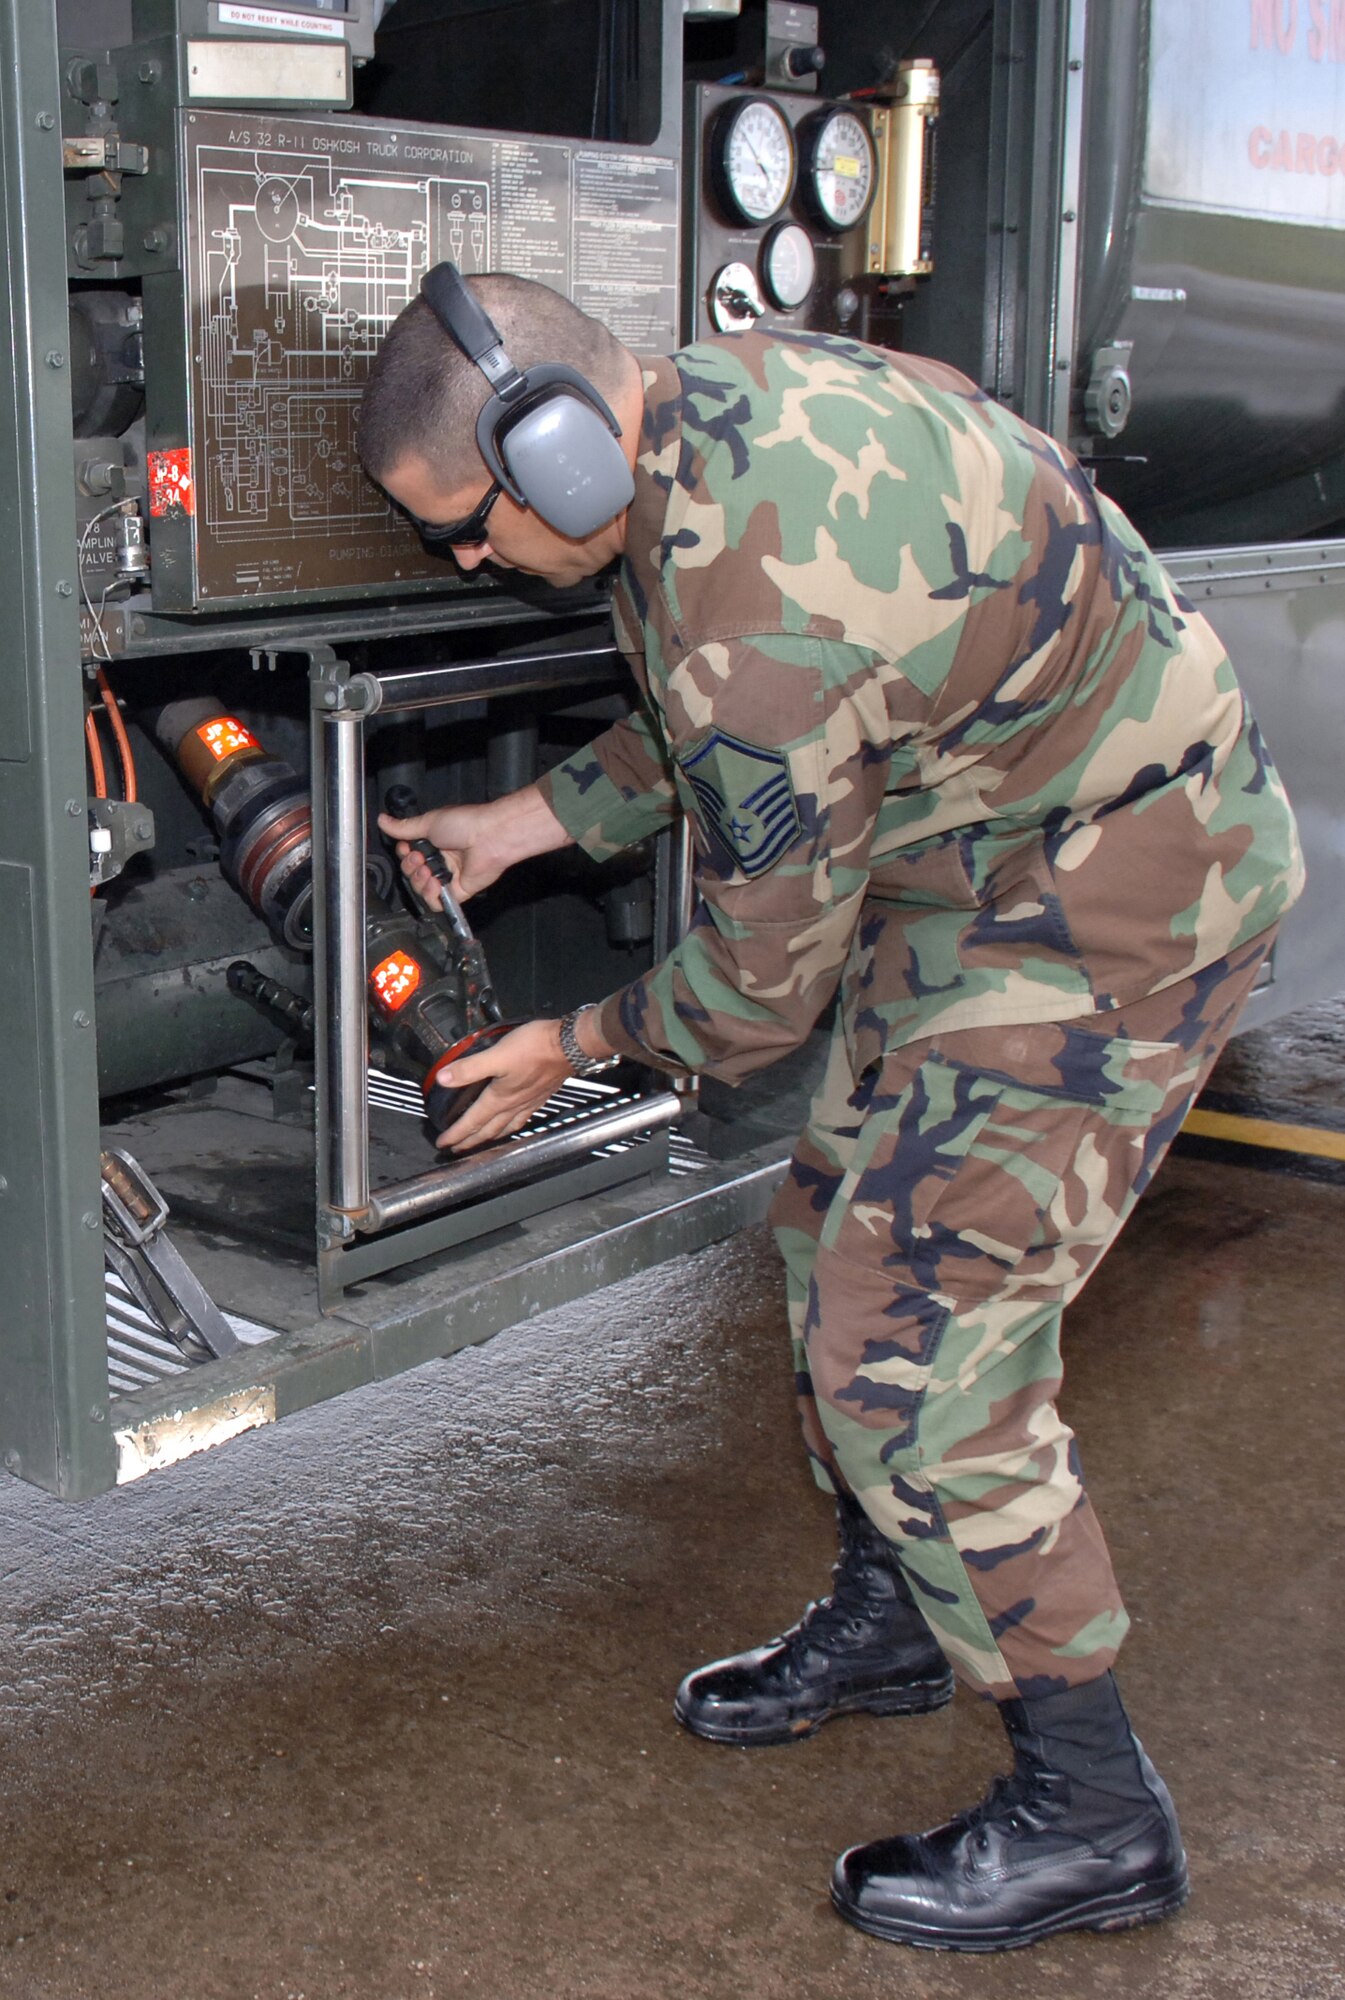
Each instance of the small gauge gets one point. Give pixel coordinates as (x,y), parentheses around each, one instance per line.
(752,159)
(735,299)
(839,169)
(788,266)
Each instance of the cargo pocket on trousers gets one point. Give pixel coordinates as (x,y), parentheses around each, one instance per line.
(1050,1172)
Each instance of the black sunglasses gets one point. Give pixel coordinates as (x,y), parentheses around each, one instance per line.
(468,533)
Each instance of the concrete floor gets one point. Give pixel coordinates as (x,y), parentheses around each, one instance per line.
(375,1705)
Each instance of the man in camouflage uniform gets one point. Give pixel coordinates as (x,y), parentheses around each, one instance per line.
(948,740)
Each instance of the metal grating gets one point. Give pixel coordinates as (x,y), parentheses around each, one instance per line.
(139,1352)
(574,1101)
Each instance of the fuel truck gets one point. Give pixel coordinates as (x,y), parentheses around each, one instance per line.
(219,1199)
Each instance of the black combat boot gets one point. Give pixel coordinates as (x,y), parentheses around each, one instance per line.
(1081,1836)
(865,1647)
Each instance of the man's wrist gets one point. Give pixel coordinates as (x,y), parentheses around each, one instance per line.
(524,825)
(583,1043)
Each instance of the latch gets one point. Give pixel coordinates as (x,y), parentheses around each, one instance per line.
(151,1267)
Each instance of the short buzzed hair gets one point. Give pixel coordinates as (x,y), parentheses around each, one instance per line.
(423,395)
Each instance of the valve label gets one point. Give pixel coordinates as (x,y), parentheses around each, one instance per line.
(171,487)
(394,981)
(222,735)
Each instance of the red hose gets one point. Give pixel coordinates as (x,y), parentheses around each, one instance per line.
(96,763)
(124,753)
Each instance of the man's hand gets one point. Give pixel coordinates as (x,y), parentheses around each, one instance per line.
(477,842)
(524,1067)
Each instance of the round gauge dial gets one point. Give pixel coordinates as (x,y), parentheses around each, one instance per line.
(839,170)
(788,266)
(735,299)
(752,159)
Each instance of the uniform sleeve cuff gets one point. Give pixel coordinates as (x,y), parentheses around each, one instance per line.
(594,811)
(617,1037)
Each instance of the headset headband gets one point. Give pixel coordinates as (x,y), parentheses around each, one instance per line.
(471,328)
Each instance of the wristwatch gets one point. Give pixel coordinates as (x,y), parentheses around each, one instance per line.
(580,1062)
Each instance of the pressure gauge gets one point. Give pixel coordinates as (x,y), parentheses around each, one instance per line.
(839,169)
(752,159)
(788,266)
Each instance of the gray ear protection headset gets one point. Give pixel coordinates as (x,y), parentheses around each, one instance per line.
(545,433)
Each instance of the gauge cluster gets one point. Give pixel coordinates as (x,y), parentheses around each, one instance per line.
(783,187)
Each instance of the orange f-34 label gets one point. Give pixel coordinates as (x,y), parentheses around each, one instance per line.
(171,488)
(394,981)
(222,735)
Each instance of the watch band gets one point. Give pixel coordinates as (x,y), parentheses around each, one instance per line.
(580,1062)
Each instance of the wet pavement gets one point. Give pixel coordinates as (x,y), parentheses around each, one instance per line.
(374,1705)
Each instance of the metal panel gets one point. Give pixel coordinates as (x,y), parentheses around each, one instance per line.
(281,21)
(1213,207)
(303,239)
(267,73)
(466,1299)
(1248,117)
(53,1417)
(712,243)
(1280,611)
(1001,305)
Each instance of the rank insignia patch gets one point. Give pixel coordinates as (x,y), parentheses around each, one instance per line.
(746,800)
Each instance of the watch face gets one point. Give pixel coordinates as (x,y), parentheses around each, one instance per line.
(752,159)
(839,169)
(788,266)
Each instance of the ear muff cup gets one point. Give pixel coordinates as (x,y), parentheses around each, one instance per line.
(545,433)
(558,455)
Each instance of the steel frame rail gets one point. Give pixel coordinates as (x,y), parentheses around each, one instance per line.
(347,1208)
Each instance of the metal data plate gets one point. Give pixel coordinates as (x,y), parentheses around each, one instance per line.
(303,240)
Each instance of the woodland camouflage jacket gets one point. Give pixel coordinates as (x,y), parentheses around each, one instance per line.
(942,726)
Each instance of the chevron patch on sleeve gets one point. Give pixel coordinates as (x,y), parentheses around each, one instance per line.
(746,800)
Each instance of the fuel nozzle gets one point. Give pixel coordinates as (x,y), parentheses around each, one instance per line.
(260,807)
(400,802)
(429,992)
(395,983)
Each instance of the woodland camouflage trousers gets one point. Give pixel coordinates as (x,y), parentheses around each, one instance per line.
(937,1215)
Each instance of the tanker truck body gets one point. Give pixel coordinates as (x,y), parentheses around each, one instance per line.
(218,1195)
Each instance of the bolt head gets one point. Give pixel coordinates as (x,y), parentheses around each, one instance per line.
(46,121)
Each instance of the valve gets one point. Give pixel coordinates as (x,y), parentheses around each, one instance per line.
(1107,399)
